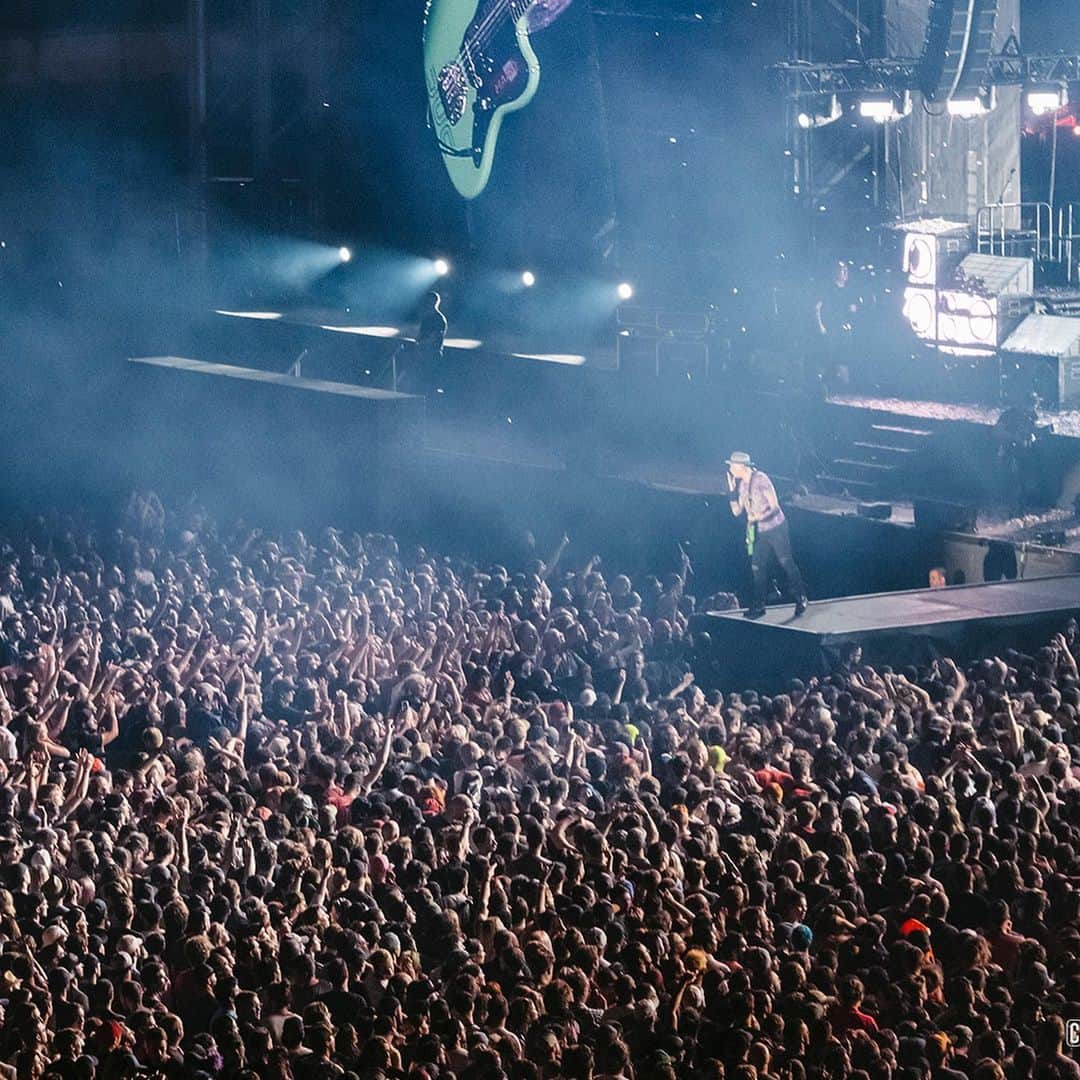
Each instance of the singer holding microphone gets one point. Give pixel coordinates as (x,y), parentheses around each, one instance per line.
(752,494)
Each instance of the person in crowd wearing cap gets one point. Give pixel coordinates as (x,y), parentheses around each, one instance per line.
(768,537)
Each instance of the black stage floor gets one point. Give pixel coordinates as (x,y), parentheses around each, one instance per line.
(897,628)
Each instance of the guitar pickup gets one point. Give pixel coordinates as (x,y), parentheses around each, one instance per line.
(453,92)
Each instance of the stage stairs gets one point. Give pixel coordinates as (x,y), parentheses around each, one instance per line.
(878,461)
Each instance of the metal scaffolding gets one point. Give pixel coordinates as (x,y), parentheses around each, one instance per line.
(249,126)
(821,160)
(898,74)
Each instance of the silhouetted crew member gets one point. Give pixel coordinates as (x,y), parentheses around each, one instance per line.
(432,333)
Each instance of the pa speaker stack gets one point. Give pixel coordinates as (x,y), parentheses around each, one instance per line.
(985,301)
(959,44)
(933,249)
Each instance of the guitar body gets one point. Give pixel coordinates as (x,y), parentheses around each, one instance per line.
(479,67)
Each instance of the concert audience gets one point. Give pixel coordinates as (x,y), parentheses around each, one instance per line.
(297,807)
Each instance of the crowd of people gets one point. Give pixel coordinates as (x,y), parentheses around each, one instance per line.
(297,806)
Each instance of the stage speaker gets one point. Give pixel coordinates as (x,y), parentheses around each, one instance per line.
(933,250)
(876,511)
(984,301)
(932,73)
(958,46)
(937,515)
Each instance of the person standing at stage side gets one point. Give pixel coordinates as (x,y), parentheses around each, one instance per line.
(767,535)
(417,361)
(432,333)
(836,315)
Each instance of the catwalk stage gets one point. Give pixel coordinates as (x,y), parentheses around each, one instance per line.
(964,622)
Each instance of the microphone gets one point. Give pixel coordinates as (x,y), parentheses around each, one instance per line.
(1005,186)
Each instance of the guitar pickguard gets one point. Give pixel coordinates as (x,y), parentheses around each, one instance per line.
(480,67)
(499,72)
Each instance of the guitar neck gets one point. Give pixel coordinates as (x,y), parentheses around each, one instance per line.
(515,9)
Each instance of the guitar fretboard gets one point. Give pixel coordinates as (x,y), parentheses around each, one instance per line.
(490,21)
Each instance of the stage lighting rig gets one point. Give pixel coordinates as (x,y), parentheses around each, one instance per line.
(884,106)
(821,117)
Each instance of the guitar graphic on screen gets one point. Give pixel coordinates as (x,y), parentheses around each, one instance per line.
(479,66)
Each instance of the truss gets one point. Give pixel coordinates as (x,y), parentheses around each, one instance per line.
(898,74)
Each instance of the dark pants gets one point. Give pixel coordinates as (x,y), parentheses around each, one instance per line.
(774,544)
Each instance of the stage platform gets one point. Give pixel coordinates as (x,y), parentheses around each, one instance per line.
(902,627)
(339,341)
(1062,422)
(271,447)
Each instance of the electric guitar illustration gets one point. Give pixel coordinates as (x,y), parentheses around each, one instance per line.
(479,66)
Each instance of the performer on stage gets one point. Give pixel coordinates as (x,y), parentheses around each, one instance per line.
(767,533)
(418,359)
(432,332)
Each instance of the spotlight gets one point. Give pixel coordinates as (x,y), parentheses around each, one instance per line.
(820,117)
(528,279)
(442,267)
(625,290)
(967,106)
(882,106)
(1043,98)
(344,254)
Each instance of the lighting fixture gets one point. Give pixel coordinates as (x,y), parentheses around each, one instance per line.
(968,106)
(830,114)
(882,106)
(1043,98)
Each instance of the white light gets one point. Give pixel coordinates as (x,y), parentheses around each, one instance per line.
(824,117)
(344,254)
(965,108)
(267,315)
(1047,99)
(528,279)
(462,343)
(553,358)
(365,331)
(626,291)
(876,110)
(886,106)
(441,267)
(972,105)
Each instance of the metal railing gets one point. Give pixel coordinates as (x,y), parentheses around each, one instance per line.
(1068,231)
(1022,230)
